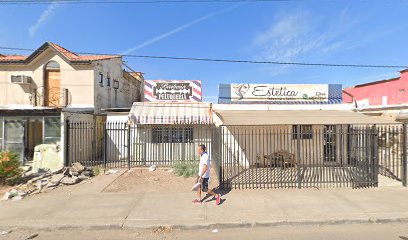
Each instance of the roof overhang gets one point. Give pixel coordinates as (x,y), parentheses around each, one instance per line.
(170,113)
(296,117)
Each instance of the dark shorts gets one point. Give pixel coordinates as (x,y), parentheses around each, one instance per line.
(204,185)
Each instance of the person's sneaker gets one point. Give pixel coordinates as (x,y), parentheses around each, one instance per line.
(218,201)
(196,201)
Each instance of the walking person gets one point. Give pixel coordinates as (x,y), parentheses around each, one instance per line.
(204,169)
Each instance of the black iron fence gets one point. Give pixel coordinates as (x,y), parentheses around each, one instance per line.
(116,144)
(391,150)
(299,156)
(250,156)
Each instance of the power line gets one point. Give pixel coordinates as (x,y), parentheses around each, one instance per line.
(229,60)
(34,2)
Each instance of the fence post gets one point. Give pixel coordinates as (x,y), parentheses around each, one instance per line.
(66,140)
(298,155)
(376,163)
(128,145)
(105,133)
(404,154)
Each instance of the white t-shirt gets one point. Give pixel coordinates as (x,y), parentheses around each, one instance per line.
(204,159)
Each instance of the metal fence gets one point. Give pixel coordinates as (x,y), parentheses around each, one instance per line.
(299,156)
(250,156)
(116,144)
(392,147)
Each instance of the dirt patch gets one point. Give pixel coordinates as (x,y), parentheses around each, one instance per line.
(3,190)
(161,180)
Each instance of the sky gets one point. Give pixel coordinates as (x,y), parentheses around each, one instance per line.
(315,31)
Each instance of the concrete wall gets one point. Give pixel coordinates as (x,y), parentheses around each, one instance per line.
(78,80)
(118,89)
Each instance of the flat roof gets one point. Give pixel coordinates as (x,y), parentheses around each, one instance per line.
(294,117)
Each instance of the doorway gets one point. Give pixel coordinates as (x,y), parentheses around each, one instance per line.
(52,82)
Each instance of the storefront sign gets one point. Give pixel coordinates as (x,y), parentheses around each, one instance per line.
(172,91)
(280,93)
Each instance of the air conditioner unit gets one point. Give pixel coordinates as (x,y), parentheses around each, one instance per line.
(21,79)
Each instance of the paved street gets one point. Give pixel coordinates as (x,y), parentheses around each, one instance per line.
(332,232)
(86,206)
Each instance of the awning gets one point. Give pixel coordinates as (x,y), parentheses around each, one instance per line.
(170,113)
(293,117)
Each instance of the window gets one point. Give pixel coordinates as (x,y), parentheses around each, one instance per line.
(101,79)
(108,82)
(306,132)
(172,135)
(52,130)
(52,65)
(115,84)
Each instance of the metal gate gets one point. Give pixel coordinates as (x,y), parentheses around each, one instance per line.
(116,144)
(298,156)
(280,156)
(392,151)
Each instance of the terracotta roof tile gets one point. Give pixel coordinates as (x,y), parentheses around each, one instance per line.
(75,57)
(71,56)
(8,58)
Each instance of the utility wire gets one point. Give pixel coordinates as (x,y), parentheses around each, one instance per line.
(228,60)
(33,2)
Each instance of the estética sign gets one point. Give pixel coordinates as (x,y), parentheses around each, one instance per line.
(172,91)
(279,92)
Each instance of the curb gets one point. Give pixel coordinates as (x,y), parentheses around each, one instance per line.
(272,224)
(214,225)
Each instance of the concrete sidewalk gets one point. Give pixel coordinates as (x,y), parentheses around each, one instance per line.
(87,207)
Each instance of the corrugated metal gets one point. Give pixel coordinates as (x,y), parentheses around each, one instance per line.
(171,113)
(295,117)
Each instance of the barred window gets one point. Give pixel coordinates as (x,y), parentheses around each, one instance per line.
(172,135)
(306,132)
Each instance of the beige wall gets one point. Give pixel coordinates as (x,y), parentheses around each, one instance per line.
(82,82)
(110,97)
(77,79)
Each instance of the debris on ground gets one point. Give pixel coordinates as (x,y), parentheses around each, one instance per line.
(42,181)
(215,230)
(32,236)
(4,232)
(152,168)
(111,171)
(170,170)
(163,229)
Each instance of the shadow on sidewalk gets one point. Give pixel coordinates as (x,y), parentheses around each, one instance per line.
(219,190)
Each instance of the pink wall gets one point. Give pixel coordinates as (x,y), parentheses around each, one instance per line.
(395,90)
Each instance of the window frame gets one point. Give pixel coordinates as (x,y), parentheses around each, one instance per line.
(101,79)
(170,134)
(45,137)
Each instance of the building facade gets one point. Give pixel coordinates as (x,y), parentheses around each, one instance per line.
(42,90)
(387,98)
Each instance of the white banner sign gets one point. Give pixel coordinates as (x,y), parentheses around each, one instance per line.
(279,92)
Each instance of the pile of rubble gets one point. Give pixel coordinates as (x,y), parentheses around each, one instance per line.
(47,180)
